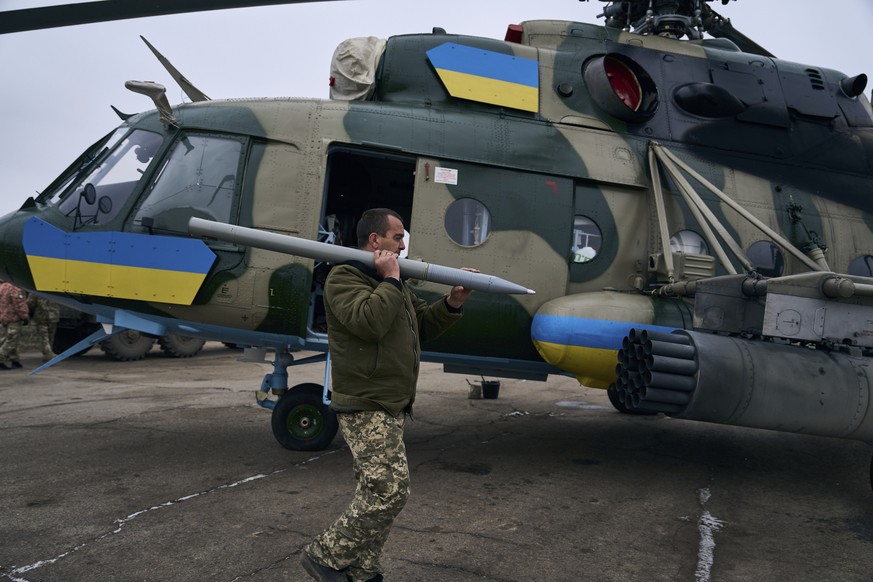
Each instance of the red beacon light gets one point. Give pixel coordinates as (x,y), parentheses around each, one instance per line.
(624,83)
(621,87)
(514,33)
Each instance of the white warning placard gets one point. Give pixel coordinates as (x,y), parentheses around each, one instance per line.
(445,176)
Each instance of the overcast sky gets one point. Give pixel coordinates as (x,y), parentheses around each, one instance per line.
(58,84)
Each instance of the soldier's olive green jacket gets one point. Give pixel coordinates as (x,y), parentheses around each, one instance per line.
(375,329)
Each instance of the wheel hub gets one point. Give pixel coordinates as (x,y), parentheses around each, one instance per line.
(304,422)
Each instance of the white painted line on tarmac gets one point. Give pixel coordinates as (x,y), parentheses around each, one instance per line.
(580,405)
(708,525)
(18,571)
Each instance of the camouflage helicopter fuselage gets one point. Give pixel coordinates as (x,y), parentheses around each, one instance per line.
(783,140)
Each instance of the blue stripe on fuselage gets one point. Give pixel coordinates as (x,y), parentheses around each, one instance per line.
(585,332)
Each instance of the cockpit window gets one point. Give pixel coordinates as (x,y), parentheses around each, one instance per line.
(53,194)
(199,178)
(111,179)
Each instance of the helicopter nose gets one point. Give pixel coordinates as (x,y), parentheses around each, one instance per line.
(13,263)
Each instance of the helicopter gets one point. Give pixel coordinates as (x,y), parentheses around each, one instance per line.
(656,187)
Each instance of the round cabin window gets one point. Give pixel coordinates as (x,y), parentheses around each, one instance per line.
(767,258)
(468,222)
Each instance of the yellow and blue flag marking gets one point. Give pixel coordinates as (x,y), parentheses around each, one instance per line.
(116,264)
(587,348)
(487,76)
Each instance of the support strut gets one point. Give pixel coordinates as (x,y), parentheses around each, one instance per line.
(277,381)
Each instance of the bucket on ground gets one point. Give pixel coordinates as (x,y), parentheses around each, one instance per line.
(483,389)
(490,388)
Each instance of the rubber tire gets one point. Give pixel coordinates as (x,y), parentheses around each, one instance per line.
(127,346)
(871,473)
(180,346)
(302,422)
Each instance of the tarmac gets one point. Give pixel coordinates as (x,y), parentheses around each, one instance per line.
(167,469)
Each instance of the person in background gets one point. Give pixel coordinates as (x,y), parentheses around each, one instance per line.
(13,314)
(45,315)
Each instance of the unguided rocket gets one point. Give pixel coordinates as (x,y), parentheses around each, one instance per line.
(301,247)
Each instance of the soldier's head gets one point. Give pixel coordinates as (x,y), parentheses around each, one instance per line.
(381,229)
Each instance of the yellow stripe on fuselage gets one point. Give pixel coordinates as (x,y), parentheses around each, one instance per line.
(594,367)
(105,280)
(491,91)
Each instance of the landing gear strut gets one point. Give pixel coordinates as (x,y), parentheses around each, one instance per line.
(302,419)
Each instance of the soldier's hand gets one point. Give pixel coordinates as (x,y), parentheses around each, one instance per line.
(386,264)
(459,294)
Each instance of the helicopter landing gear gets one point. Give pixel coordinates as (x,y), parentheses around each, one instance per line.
(301,421)
(127,345)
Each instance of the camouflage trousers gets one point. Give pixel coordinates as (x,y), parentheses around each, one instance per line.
(9,347)
(45,333)
(355,540)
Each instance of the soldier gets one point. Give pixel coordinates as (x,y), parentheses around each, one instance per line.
(375,324)
(45,314)
(13,313)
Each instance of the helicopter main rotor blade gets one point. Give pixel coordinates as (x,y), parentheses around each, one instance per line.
(721,27)
(107,10)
